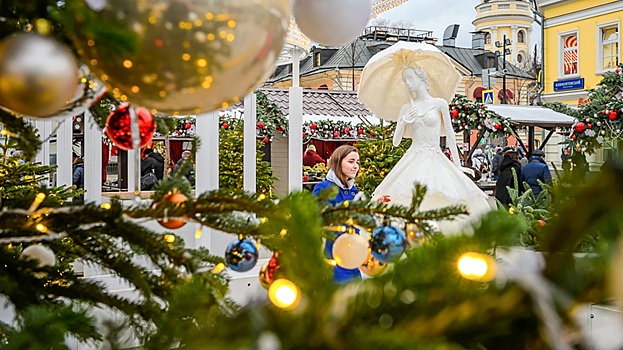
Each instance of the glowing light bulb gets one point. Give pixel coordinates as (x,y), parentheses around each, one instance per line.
(477,267)
(41,228)
(106,206)
(284,294)
(218,268)
(169,238)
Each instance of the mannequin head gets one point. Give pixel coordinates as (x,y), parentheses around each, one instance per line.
(414,77)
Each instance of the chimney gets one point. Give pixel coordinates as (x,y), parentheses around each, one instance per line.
(478,40)
(450,34)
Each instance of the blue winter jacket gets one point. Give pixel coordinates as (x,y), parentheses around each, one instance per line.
(340,274)
(535,170)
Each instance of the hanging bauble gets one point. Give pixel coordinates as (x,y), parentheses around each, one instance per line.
(579,126)
(173,224)
(182,56)
(268,271)
(388,243)
(263,276)
(187,126)
(118,126)
(39,252)
(350,250)
(38,75)
(241,255)
(612,115)
(415,236)
(372,267)
(454,113)
(330,22)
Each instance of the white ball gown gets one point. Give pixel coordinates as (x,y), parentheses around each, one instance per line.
(425,163)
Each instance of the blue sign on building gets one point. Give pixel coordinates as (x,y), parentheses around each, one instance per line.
(569,84)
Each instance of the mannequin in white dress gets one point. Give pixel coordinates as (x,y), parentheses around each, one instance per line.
(425,119)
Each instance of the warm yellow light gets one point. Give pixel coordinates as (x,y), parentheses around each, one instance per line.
(169,238)
(211,36)
(5,132)
(202,62)
(41,228)
(198,234)
(91,42)
(186,57)
(224,105)
(106,206)
(283,232)
(218,268)
(231,37)
(261,197)
(332,262)
(135,89)
(35,204)
(477,267)
(284,294)
(231,23)
(127,64)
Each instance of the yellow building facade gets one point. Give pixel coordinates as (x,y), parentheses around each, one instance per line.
(512,20)
(582,41)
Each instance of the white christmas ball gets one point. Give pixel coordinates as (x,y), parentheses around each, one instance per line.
(38,75)
(42,253)
(350,251)
(331,22)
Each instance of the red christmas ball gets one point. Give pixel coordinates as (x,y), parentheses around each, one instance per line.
(613,115)
(336,135)
(618,70)
(225,125)
(580,126)
(360,131)
(454,113)
(590,126)
(498,126)
(347,130)
(118,127)
(173,198)
(266,139)
(574,137)
(187,126)
(273,265)
(260,125)
(314,126)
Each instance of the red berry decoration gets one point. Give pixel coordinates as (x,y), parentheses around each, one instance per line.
(314,126)
(498,126)
(603,112)
(118,127)
(225,125)
(613,115)
(590,126)
(176,198)
(454,113)
(336,135)
(260,125)
(187,126)
(542,222)
(359,131)
(618,70)
(574,137)
(266,139)
(580,126)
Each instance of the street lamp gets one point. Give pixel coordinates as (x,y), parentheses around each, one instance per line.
(503,53)
(541,22)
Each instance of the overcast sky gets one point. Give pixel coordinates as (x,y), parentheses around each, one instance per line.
(436,15)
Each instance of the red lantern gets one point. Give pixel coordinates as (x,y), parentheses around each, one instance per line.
(176,198)
(260,125)
(613,115)
(454,113)
(580,126)
(118,127)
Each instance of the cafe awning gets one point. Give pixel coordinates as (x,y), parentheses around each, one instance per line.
(533,116)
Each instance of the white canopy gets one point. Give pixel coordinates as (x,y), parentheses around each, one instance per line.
(533,115)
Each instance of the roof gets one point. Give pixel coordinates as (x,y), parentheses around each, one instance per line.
(333,103)
(342,58)
(533,115)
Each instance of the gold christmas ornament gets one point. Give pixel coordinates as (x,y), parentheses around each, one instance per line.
(181,57)
(372,267)
(38,75)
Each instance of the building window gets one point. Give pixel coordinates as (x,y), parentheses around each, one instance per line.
(504,7)
(569,54)
(488,38)
(485,8)
(519,58)
(609,43)
(521,36)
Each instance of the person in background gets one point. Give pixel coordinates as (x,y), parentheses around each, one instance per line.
(152,161)
(510,164)
(536,170)
(312,158)
(190,174)
(496,162)
(343,169)
(78,174)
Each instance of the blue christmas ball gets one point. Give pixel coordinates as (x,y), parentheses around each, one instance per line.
(387,243)
(241,255)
